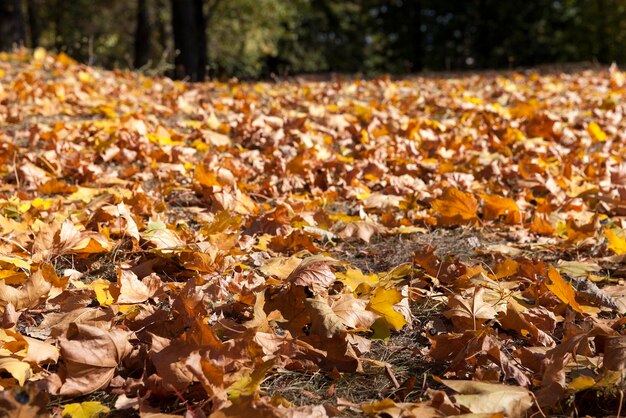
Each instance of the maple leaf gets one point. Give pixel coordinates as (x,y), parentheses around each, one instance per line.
(617,242)
(281,267)
(87,409)
(324,321)
(497,206)
(354,278)
(249,383)
(513,319)
(28,295)
(314,272)
(161,237)
(361,230)
(132,290)
(296,241)
(482,397)
(562,289)
(91,356)
(352,311)
(470,310)
(382,303)
(455,207)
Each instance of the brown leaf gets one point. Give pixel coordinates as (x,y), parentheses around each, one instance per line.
(91,356)
(314,272)
(470,310)
(324,321)
(490,398)
(29,295)
(615,353)
(132,290)
(352,311)
(360,230)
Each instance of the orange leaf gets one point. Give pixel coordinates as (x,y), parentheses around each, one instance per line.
(562,289)
(541,226)
(497,206)
(455,207)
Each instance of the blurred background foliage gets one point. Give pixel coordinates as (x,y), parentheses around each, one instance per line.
(260,38)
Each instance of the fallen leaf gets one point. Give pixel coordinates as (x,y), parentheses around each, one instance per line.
(89,409)
(455,207)
(382,303)
(470,311)
(562,289)
(91,356)
(491,398)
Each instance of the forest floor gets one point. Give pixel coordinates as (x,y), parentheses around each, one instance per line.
(427,246)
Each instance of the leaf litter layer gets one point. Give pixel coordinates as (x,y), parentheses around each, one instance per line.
(418,247)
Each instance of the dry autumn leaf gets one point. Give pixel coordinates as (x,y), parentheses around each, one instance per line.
(562,289)
(382,303)
(501,207)
(91,356)
(470,310)
(455,207)
(490,398)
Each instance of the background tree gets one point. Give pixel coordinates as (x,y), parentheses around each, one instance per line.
(143,34)
(34,23)
(262,38)
(189,25)
(12,25)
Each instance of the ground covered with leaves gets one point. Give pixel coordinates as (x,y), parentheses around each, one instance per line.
(430,246)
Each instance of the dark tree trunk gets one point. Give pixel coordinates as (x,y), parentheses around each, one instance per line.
(34,23)
(143,42)
(12,25)
(415,34)
(189,24)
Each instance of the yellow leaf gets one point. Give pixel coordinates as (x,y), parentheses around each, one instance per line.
(85,77)
(92,245)
(84,194)
(162,140)
(249,384)
(617,243)
(562,289)
(13,277)
(85,410)
(581,383)
(596,132)
(42,204)
(353,278)
(382,303)
(281,267)
(343,217)
(16,261)
(20,370)
(102,288)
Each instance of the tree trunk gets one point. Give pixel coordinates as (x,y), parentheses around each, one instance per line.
(143,43)
(189,24)
(12,25)
(415,34)
(34,23)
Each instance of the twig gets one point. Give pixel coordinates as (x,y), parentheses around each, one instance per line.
(537,403)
